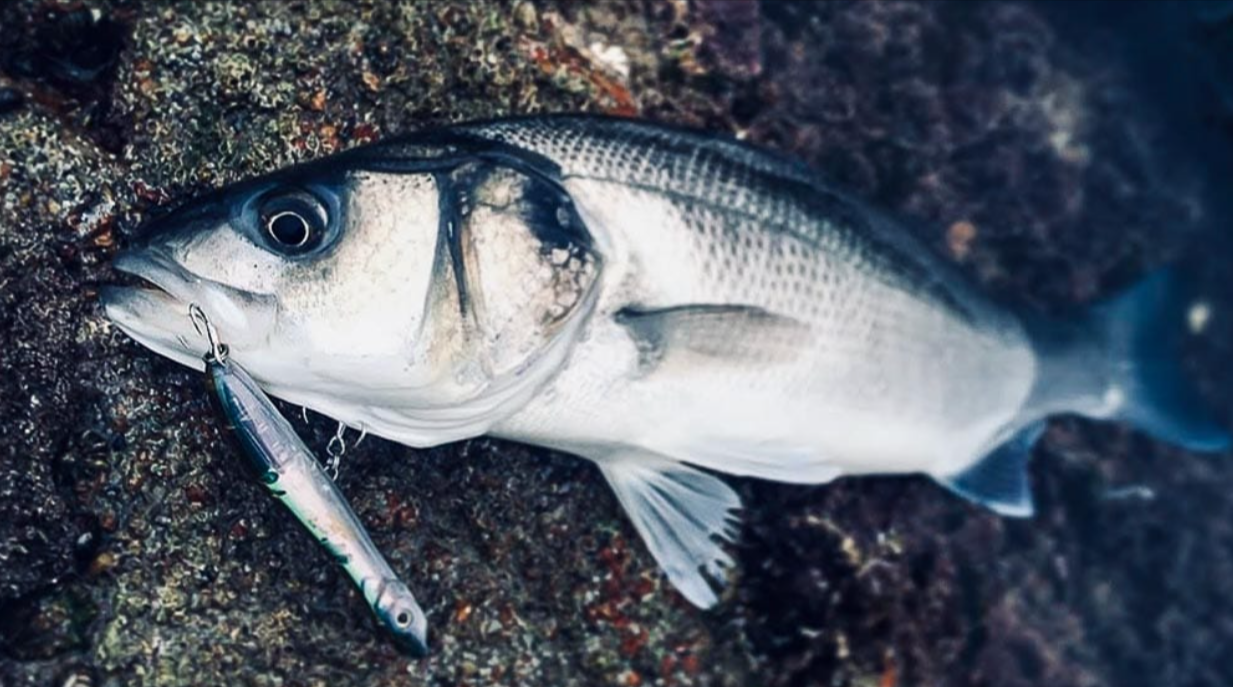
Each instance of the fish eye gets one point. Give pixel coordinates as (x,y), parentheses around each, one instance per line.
(293,222)
(289,228)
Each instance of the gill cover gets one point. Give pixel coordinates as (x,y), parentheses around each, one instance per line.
(521,260)
(513,277)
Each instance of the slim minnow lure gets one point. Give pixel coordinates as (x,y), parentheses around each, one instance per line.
(290,471)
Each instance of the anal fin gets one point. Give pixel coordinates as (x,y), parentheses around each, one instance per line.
(683,514)
(999,481)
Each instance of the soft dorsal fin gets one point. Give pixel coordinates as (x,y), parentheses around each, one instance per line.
(733,333)
(999,481)
(683,514)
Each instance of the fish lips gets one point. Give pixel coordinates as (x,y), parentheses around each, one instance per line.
(157,315)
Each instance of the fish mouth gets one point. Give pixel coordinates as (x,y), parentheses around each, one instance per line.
(154,307)
(158,274)
(155,310)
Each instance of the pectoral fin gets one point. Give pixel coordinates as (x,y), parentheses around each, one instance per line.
(999,481)
(683,514)
(733,333)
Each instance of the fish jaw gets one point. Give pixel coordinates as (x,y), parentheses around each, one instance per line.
(157,316)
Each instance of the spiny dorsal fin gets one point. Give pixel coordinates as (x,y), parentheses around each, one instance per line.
(683,514)
(999,481)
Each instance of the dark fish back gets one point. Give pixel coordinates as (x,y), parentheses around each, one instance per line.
(780,194)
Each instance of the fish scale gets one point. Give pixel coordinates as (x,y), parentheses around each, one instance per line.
(750,270)
(773,191)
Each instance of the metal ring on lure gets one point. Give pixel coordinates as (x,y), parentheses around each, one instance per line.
(291,472)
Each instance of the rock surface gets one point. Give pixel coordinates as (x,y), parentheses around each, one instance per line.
(134,550)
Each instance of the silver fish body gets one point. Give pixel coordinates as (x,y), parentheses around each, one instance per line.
(652,299)
(797,321)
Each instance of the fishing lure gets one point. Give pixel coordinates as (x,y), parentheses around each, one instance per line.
(292,474)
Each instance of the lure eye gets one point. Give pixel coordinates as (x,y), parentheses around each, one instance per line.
(294,222)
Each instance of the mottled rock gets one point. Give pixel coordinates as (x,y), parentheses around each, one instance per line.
(134,550)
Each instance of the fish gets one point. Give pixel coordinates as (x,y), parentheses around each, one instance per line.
(675,306)
(291,472)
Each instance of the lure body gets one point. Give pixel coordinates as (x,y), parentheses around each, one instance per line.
(292,474)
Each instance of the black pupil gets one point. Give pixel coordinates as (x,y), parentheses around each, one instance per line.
(289,229)
(403,619)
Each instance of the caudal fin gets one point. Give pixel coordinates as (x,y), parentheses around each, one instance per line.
(1140,334)
(1120,360)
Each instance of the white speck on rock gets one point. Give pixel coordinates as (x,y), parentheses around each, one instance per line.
(612,58)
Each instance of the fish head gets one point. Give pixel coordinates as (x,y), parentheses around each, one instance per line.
(362,289)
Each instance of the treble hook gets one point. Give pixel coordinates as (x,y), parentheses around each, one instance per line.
(218,350)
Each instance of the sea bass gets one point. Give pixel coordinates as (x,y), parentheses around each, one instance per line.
(665,303)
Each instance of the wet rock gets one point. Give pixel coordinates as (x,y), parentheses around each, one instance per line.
(72,48)
(10,100)
(733,35)
(134,548)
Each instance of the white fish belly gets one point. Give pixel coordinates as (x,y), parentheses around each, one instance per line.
(805,422)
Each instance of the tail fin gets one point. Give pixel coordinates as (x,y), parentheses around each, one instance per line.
(1134,349)
(1119,360)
